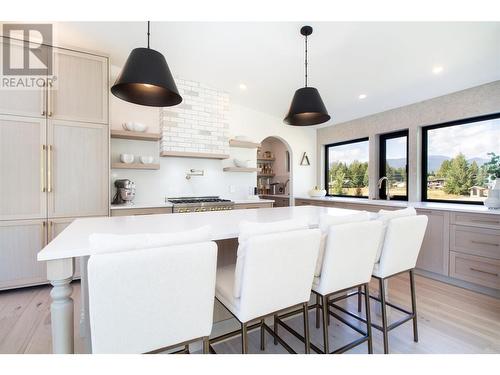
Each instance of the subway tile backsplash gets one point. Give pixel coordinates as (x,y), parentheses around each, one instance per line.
(200,123)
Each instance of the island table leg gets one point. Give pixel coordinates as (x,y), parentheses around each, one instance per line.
(60,275)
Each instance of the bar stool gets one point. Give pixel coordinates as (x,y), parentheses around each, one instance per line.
(149,300)
(348,263)
(400,250)
(273,271)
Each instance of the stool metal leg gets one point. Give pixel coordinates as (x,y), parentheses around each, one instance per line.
(317,310)
(305,311)
(359,299)
(413,306)
(275,329)
(206,345)
(384,316)
(368,318)
(262,335)
(244,338)
(325,324)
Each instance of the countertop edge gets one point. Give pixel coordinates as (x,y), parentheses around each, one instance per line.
(454,207)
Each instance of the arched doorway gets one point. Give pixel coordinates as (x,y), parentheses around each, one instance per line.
(274,158)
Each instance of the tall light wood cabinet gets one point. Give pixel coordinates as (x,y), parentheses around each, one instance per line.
(78,161)
(80,90)
(20,241)
(54,161)
(22,168)
(28,102)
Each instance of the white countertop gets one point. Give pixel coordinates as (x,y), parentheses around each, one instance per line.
(472,208)
(73,241)
(168,204)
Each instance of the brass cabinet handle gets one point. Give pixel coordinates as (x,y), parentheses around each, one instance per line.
(44,234)
(49,170)
(42,168)
(49,99)
(486,272)
(484,243)
(44,99)
(50,231)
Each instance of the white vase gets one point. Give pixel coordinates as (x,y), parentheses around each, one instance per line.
(496,184)
(493,200)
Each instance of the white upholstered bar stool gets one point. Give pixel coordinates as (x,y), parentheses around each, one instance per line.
(151,292)
(273,271)
(347,263)
(400,249)
(402,244)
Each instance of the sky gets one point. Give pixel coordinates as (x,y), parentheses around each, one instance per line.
(350,152)
(396,148)
(473,140)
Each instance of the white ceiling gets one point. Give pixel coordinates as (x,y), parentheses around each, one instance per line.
(389,62)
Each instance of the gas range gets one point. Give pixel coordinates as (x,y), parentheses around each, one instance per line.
(200,204)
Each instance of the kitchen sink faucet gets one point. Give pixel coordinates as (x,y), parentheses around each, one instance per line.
(380,181)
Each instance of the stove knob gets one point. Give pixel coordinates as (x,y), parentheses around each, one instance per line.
(196,210)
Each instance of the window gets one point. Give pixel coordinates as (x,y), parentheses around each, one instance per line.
(346,168)
(394,165)
(459,159)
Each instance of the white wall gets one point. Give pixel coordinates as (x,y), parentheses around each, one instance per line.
(169,180)
(476,101)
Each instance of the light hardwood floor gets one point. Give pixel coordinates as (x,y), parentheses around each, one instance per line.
(451,320)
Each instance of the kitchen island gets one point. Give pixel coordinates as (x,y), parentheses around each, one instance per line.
(73,242)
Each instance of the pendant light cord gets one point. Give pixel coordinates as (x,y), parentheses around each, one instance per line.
(148,34)
(305,63)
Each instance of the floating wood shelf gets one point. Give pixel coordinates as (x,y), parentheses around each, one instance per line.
(243,144)
(266,175)
(238,169)
(138,136)
(134,166)
(266,159)
(196,155)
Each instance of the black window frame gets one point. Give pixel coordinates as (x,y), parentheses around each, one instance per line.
(423,176)
(382,162)
(327,163)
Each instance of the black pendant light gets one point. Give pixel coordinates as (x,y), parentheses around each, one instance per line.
(146,79)
(307,107)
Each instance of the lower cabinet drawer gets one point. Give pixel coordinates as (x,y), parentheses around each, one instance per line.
(475,241)
(475,269)
(476,220)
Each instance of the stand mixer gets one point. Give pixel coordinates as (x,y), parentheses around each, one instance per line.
(125,192)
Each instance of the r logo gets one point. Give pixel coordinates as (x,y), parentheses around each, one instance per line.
(35,58)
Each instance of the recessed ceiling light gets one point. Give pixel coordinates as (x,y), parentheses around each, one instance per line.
(437,69)
(362,96)
(243,87)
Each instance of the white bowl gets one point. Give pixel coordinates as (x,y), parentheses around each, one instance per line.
(243,138)
(241,163)
(139,127)
(128,126)
(146,159)
(316,193)
(127,158)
